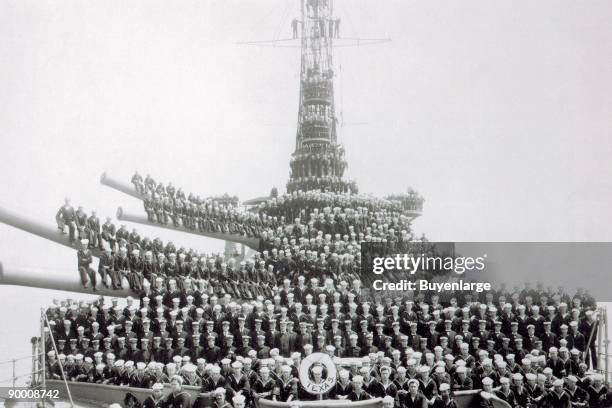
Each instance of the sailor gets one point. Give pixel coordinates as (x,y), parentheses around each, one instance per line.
(358,394)
(66,217)
(294,28)
(558,398)
(121,268)
(178,398)
(53,370)
(237,381)
(220,401)
(84,258)
(215,380)
(264,386)
(444,400)
(505,393)
(598,392)
(156,399)
(487,386)
(190,377)
(105,265)
(109,232)
(81,223)
(99,375)
(140,379)
(93,226)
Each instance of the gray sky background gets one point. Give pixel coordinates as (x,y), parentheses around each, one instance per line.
(498,112)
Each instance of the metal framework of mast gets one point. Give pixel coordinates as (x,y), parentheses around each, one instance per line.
(318,160)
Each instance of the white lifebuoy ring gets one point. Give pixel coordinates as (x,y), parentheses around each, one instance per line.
(327,383)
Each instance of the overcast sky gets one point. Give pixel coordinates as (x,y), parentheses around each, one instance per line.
(498,112)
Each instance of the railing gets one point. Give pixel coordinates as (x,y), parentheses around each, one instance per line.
(603,344)
(33,375)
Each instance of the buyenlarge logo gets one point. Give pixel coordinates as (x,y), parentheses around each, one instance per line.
(424,263)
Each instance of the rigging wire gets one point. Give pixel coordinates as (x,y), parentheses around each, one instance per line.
(343,42)
(348,18)
(248,31)
(279,27)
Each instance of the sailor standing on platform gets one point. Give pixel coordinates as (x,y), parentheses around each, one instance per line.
(294,28)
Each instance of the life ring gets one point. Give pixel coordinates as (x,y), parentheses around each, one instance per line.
(327,383)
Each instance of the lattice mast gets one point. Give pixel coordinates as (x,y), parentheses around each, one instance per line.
(318,161)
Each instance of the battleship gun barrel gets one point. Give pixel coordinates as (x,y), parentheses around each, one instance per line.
(55,280)
(141,219)
(119,185)
(27,224)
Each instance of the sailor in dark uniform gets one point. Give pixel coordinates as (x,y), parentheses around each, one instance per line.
(578,396)
(121,268)
(358,394)
(81,223)
(156,399)
(343,386)
(444,400)
(66,217)
(140,379)
(178,398)
(286,385)
(53,369)
(105,266)
(189,375)
(237,381)
(264,386)
(212,353)
(109,232)
(427,386)
(85,258)
(558,398)
(412,398)
(505,393)
(93,226)
(215,380)
(598,392)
